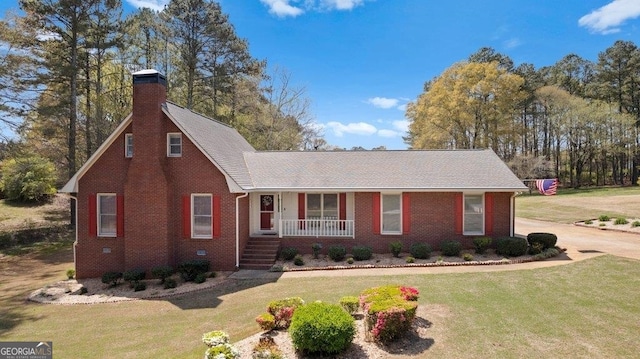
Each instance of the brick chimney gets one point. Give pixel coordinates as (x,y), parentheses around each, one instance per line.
(146,197)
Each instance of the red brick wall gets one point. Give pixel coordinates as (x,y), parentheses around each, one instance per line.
(432,221)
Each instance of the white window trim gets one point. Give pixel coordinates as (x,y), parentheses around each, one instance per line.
(193,215)
(382,231)
(464,214)
(306,209)
(128,136)
(99,215)
(169,135)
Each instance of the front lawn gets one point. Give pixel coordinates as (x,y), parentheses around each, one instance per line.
(584,309)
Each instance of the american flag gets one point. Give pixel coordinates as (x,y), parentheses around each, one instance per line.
(547,187)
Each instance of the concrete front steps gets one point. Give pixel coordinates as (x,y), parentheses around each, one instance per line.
(260,253)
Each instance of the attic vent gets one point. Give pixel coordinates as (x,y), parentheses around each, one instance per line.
(149,77)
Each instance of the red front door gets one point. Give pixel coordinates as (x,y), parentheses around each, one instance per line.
(266,211)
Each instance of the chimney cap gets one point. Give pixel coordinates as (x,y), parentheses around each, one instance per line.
(149,76)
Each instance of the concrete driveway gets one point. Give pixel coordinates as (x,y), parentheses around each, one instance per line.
(577,239)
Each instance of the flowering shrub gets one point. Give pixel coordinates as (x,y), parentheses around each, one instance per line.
(389,311)
(266,321)
(283,309)
(266,349)
(219,347)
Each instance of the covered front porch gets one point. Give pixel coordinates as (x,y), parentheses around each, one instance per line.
(297,214)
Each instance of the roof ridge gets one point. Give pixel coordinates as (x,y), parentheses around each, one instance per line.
(201,115)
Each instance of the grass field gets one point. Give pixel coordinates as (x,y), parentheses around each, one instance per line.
(571,205)
(587,309)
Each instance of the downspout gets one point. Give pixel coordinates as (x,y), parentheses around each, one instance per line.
(75,242)
(512,213)
(238,228)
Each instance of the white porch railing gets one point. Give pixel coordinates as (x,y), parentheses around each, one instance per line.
(316,228)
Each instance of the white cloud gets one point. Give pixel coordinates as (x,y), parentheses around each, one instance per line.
(388,133)
(607,19)
(358,128)
(383,102)
(401,125)
(402,107)
(512,43)
(342,4)
(282,8)
(157,5)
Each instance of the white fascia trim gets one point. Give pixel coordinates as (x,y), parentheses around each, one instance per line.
(234,187)
(382,189)
(72,185)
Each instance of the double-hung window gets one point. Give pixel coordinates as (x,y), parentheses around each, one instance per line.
(107,215)
(322,206)
(201,221)
(128,145)
(391,213)
(473,214)
(174,144)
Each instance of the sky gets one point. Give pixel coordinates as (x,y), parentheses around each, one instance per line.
(361,61)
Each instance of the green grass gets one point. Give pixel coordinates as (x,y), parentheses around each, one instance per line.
(571,205)
(584,309)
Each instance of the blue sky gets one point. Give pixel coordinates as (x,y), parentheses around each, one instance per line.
(362,61)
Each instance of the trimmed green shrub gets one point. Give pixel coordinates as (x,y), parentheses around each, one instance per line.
(322,328)
(410,259)
(170,283)
(112,278)
(189,270)
(6,240)
(266,321)
(550,252)
(219,347)
(288,253)
(71,273)
(133,276)
(337,253)
(420,250)
(200,278)
(481,244)
(536,248)
(361,253)
(29,178)
(450,248)
(588,221)
(389,311)
(350,260)
(620,220)
(283,309)
(395,248)
(316,248)
(604,218)
(467,257)
(162,272)
(548,240)
(511,246)
(298,260)
(350,304)
(635,224)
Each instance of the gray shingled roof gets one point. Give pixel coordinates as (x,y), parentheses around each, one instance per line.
(220,142)
(366,170)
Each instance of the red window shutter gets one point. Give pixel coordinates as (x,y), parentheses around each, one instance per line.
(342,213)
(120,215)
(302,208)
(458,213)
(376,213)
(93,215)
(216,222)
(488,214)
(186,216)
(406,213)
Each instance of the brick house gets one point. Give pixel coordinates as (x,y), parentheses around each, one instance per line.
(170,185)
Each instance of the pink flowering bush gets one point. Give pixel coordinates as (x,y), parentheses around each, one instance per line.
(283,309)
(266,321)
(389,311)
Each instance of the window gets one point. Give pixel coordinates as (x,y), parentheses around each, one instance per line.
(107,215)
(391,214)
(202,216)
(322,205)
(473,214)
(174,144)
(128,145)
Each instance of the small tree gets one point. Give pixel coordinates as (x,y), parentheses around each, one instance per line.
(28,179)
